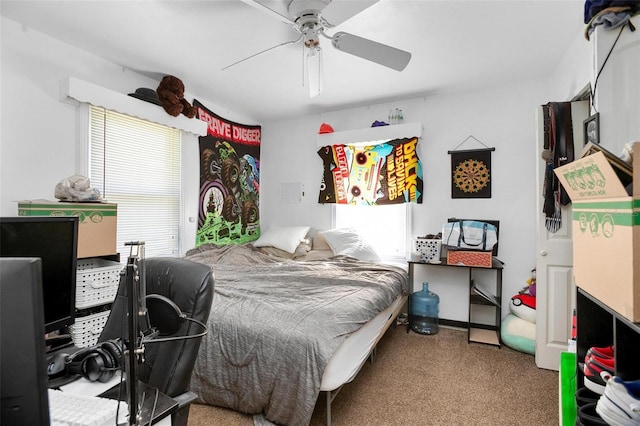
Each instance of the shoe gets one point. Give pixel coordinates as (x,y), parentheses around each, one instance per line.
(606,352)
(586,396)
(588,416)
(608,362)
(620,404)
(596,374)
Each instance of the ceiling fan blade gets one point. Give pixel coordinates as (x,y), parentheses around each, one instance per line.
(371,50)
(268,11)
(263,51)
(336,12)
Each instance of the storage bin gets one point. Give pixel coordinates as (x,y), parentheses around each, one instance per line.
(97,223)
(478,259)
(428,248)
(96,282)
(86,329)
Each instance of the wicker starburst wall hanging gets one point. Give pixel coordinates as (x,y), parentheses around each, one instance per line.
(471,171)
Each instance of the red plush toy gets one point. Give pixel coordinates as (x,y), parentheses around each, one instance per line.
(171,94)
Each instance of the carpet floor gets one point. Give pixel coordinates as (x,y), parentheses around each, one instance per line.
(431,381)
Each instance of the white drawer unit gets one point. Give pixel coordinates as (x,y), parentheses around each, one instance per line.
(86,329)
(96,282)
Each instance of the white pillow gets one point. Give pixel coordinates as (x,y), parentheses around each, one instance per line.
(319,243)
(285,238)
(346,242)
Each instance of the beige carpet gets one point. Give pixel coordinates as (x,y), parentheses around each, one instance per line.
(432,380)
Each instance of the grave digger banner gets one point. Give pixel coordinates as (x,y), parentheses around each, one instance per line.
(389,173)
(229,181)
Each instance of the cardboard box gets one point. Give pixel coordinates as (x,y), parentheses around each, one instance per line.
(606,227)
(477,259)
(97,223)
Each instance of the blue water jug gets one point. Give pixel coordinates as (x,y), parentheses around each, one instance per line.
(423,311)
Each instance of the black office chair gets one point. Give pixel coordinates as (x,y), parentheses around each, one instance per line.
(168,365)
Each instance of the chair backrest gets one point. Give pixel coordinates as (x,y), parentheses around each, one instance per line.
(190,285)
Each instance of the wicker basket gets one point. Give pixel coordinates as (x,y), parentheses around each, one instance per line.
(96,282)
(86,329)
(428,248)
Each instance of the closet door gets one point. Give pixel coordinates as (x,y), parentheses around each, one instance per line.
(555,289)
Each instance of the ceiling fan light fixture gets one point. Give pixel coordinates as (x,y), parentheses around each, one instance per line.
(311,33)
(309,18)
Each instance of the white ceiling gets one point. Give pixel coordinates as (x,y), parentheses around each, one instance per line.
(455,45)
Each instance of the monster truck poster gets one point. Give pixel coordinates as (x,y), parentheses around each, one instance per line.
(389,173)
(229,181)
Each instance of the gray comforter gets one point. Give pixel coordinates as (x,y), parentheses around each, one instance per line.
(275,324)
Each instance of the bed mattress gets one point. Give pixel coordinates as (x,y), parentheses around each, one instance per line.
(275,325)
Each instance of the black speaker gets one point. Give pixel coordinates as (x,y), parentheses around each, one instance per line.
(97,363)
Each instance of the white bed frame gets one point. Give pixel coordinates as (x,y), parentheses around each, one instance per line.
(351,355)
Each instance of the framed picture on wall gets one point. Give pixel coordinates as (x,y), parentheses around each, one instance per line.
(471,173)
(592,129)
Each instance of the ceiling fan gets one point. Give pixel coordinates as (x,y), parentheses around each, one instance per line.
(310,19)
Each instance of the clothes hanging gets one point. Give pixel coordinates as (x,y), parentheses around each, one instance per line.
(559,150)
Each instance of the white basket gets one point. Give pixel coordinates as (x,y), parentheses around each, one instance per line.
(86,330)
(96,282)
(428,248)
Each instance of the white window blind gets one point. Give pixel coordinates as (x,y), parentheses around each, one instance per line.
(385,227)
(136,164)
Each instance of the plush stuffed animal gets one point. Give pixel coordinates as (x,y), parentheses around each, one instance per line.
(171,94)
(518,329)
(531,287)
(523,304)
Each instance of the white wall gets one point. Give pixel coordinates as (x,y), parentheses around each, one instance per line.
(618,91)
(41,139)
(500,117)
(617,97)
(574,72)
(41,144)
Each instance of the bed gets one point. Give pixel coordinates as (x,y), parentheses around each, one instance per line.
(283,329)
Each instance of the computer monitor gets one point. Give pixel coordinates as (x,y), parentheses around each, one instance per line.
(55,241)
(23,378)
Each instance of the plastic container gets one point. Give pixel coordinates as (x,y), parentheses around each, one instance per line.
(97,282)
(423,311)
(87,329)
(428,248)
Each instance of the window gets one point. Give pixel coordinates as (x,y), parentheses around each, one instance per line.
(136,164)
(385,227)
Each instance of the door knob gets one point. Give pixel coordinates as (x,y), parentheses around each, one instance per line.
(543,253)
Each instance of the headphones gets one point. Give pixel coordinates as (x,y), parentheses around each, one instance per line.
(166,317)
(97,363)
(100,362)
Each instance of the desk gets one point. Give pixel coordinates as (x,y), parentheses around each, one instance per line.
(479,333)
